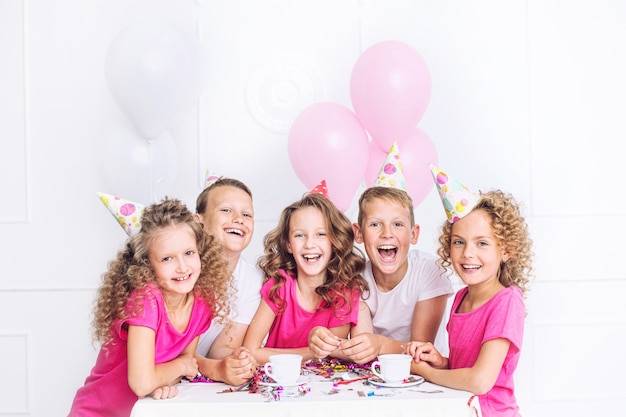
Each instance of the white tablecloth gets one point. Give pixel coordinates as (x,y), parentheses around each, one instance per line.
(320,400)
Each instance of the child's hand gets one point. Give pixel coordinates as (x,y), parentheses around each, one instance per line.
(322,342)
(238,368)
(426,352)
(165,392)
(361,348)
(190,365)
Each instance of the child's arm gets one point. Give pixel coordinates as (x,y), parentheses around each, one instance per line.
(427,317)
(144,376)
(478,379)
(363,345)
(234,369)
(259,328)
(230,338)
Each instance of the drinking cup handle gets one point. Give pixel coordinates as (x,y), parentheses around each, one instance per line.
(375,367)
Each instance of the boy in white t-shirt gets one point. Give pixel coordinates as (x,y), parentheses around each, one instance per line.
(225,209)
(408,291)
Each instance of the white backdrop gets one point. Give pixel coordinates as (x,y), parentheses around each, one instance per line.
(527,96)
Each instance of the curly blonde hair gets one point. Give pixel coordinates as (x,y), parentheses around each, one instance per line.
(511,232)
(131,270)
(344,268)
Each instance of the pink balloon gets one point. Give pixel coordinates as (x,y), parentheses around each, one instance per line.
(374,163)
(327,141)
(390,88)
(417,151)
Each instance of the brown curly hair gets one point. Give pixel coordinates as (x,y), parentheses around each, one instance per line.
(511,232)
(131,270)
(344,268)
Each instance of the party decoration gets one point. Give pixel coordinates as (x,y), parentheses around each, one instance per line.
(152,71)
(374,162)
(211,177)
(137,168)
(326,140)
(390,174)
(127,213)
(390,88)
(418,151)
(458,200)
(320,188)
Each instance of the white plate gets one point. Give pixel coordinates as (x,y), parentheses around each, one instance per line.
(410,382)
(301,381)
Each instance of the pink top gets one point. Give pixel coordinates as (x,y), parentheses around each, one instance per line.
(500,317)
(291,327)
(106,391)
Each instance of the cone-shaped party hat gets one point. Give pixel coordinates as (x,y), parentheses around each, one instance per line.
(320,189)
(458,200)
(127,213)
(390,174)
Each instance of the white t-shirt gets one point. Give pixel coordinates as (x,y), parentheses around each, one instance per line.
(392,311)
(247,279)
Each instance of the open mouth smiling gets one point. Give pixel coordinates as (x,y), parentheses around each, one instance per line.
(311,258)
(387,251)
(234,232)
(185,278)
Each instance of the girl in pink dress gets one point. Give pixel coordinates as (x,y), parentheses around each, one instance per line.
(312,278)
(486,241)
(160,293)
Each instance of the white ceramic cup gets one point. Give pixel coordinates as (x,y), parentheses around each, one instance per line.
(392,367)
(284,368)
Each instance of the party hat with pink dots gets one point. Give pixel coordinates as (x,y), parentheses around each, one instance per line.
(458,200)
(127,213)
(390,174)
(210,178)
(320,189)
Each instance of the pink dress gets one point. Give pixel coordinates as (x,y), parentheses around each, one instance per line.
(500,317)
(106,391)
(291,327)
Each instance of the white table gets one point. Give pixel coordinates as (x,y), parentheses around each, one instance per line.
(354,399)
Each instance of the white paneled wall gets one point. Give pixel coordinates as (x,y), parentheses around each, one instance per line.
(527,96)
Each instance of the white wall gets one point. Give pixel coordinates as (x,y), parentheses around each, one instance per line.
(527,96)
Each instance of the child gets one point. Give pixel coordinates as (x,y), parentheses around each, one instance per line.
(158,295)
(225,209)
(487,244)
(313,279)
(408,292)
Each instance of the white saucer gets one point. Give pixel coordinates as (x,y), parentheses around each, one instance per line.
(301,381)
(410,382)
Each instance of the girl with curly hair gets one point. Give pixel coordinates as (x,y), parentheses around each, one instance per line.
(486,242)
(312,278)
(159,294)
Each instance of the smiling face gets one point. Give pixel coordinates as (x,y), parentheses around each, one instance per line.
(474,250)
(229,216)
(175,260)
(309,243)
(387,234)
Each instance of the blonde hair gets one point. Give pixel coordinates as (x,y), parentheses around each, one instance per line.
(511,232)
(131,270)
(344,268)
(392,195)
(203,197)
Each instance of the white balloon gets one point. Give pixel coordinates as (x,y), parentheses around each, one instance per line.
(150,71)
(136,168)
(196,80)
